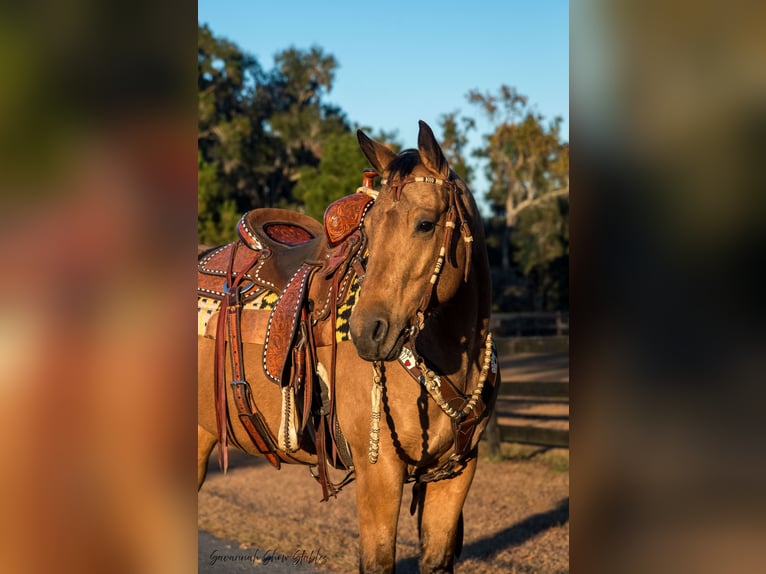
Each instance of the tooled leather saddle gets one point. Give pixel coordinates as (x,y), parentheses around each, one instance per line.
(306,268)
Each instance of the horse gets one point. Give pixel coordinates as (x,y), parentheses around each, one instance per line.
(389,374)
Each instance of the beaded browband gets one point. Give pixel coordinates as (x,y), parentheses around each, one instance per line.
(397,186)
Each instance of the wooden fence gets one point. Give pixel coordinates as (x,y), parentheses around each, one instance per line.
(535,391)
(530,324)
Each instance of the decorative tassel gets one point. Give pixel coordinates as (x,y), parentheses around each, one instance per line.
(288,438)
(468,240)
(376,396)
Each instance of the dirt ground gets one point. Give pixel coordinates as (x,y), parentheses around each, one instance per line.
(516,516)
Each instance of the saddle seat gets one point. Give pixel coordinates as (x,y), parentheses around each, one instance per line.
(286,240)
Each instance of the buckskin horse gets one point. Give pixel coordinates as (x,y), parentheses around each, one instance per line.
(361,344)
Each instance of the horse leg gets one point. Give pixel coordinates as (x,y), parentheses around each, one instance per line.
(205,443)
(378,496)
(439,520)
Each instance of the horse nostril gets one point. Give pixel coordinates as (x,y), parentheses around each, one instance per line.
(379,331)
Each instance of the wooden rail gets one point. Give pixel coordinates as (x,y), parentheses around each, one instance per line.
(538,436)
(536,389)
(530,323)
(528,434)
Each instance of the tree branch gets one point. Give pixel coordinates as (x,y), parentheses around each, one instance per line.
(513,213)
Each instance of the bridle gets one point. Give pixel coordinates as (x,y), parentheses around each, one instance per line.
(456,215)
(464,410)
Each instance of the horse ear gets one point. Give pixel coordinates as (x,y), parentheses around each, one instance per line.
(379,156)
(430,152)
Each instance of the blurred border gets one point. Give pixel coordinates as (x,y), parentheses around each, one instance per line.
(97,246)
(97,171)
(667,314)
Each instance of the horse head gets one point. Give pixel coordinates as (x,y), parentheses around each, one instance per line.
(420,234)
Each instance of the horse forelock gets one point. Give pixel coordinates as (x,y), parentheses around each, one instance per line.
(403,164)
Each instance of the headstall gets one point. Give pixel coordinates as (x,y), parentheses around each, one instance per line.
(461,408)
(456,214)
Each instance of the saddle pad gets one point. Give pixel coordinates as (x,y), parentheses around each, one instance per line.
(342,328)
(207,307)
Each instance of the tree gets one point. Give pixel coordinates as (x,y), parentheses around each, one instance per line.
(454,140)
(232,144)
(216,217)
(258,131)
(300,119)
(339,172)
(527,164)
(541,242)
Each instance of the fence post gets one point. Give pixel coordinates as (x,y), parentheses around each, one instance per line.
(492,434)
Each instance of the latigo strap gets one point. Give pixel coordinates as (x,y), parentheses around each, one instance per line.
(229,332)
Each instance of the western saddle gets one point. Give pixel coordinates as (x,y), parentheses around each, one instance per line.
(309,268)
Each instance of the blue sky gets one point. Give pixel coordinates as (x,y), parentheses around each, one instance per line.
(405,60)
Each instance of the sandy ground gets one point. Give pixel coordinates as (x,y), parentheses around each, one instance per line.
(516,516)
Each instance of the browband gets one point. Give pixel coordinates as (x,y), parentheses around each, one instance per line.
(396,186)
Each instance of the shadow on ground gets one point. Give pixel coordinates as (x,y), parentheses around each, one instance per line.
(515,535)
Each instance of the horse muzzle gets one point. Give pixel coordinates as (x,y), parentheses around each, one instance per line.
(376,338)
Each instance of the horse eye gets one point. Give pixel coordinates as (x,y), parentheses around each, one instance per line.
(426,226)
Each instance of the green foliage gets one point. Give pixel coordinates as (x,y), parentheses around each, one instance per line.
(541,242)
(216,216)
(339,173)
(523,162)
(454,140)
(300,119)
(542,234)
(230,137)
(525,158)
(259,131)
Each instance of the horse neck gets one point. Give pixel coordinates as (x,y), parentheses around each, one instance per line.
(454,337)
